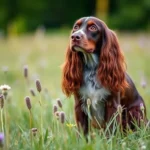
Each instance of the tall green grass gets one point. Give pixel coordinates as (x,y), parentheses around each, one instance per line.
(39,127)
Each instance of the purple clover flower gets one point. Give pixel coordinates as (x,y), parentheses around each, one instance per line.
(1,139)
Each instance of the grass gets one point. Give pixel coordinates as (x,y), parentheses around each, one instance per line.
(44,54)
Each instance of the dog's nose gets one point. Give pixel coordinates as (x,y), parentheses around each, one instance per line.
(76,37)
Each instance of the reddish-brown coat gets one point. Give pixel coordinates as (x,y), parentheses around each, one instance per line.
(112,75)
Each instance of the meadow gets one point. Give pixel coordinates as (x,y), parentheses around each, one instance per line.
(36,127)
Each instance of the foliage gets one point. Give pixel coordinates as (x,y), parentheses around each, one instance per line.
(129,15)
(19,16)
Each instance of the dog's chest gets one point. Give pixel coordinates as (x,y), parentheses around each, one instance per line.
(92,89)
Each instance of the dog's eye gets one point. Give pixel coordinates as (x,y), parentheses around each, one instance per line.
(93,28)
(76,27)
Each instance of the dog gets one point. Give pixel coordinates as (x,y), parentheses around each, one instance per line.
(94,72)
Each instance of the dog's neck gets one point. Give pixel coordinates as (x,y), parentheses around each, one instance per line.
(90,60)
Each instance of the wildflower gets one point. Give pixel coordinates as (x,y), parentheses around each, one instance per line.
(1,139)
(55,109)
(142,107)
(1,101)
(34,131)
(62,117)
(5,69)
(38,86)
(124,145)
(59,103)
(32,92)
(5,87)
(70,125)
(26,71)
(57,113)
(88,102)
(28,102)
(93,135)
(119,109)
(142,145)
(143,83)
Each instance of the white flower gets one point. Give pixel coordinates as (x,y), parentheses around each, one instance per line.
(5,87)
(143,147)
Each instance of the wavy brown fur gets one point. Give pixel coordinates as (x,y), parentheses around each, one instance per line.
(72,73)
(112,67)
(111,72)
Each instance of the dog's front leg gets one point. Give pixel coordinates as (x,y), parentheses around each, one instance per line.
(80,116)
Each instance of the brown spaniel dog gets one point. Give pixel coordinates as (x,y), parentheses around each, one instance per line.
(95,70)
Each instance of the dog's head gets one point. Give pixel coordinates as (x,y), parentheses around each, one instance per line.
(86,35)
(91,35)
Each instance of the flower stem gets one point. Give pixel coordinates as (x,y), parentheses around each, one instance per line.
(30,119)
(2,122)
(41,116)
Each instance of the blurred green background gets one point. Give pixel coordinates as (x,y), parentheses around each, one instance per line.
(19,16)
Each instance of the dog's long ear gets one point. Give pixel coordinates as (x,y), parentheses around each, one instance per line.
(112,67)
(72,73)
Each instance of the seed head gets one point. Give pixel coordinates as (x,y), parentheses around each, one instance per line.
(1,101)
(38,86)
(57,114)
(5,69)
(88,102)
(32,92)
(5,87)
(119,109)
(142,145)
(142,107)
(59,103)
(26,71)
(55,109)
(62,117)
(123,145)
(34,131)
(28,102)
(1,139)
(143,83)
